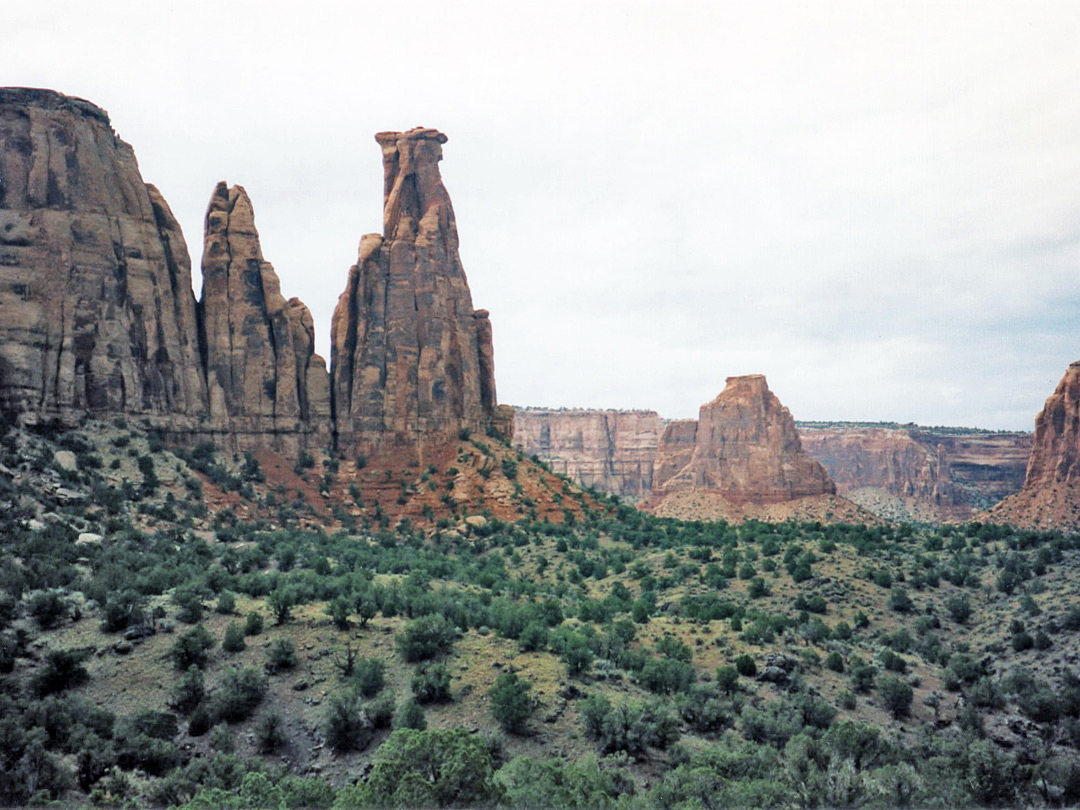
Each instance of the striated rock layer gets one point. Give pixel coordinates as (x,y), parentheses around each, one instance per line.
(411,360)
(1050,496)
(97,313)
(612,451)
(743,446)
(266,385)
(912,473)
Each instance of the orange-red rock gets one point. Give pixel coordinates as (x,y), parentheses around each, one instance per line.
(97,315)
(266,385)
(1050,496)
(411,360)
(744,446)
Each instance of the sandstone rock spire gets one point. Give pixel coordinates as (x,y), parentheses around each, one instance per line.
(744,446)
(266,385)
(97,314)
(411,360)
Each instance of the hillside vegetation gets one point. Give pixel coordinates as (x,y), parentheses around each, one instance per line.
(185,628)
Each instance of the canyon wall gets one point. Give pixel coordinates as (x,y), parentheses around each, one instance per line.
(612,451)
(916,473)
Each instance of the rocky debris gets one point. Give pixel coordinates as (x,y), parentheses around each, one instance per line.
(86,538)
(773,675)
(612,451)
(98,313)
(411,360)
(743,446)
(1050,496)
(266,385)
(778,659)
(65,460)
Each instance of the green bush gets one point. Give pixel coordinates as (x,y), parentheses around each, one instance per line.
(270,732)
(369,676)
(239,694)
(191,648)
(234,638)
(60,670)
(431,684)
(426,769)
(410,715)
(745,665)
(426,637)
(345,724)
(280,655)
(253,624)
(48,608)
(511,703)
(189,691)
(896,695)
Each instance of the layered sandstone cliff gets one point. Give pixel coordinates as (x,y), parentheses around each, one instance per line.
(913,473)
(1050,496)
(612,451)
(97,313)
(743,446)
(411,360)
(266,385)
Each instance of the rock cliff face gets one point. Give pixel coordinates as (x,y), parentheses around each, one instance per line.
(912,473)
(98,318)
(96,309)
(266,385)
(411,360)
(612,451)
(744,446)
(1050,496)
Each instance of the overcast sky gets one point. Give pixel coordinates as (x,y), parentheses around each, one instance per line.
(875,204)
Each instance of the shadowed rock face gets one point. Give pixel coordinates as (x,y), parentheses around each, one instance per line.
(411,359)
(96,309)
(266,385)
(743,446)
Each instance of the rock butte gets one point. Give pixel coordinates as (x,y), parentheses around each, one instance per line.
(1050,496)
(744,446)
(98,317)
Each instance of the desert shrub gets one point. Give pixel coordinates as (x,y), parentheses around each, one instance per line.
(426,637)
(122,609)
(48,608)
(281,601)
(745,665)
(631,726)
(253,624)
(896,695)
(369,676)
(430,768)
(959,608)
(666,675)
(60,670)
(727,679)
(431,684)
(226,603)
(582,785)
(239,694)
(345,724)
(189,691)
(834,661)
(191,648)
(410,715)
(511,703)
(270,732)
(280,655)
(234,638)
